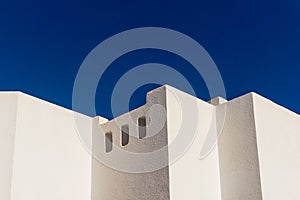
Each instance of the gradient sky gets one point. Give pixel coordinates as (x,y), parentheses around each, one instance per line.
(255,45)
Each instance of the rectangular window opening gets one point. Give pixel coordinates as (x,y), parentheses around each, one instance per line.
(125,135)
(142,127)
(108,142)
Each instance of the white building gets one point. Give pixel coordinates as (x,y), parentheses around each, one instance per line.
(178,147)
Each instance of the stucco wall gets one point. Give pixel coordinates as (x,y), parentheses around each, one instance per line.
(49,159)
(278,139)
(8,118)
(191,177)
(129,176)
(45,150)
(239,165)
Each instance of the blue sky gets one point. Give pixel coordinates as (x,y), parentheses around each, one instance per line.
(255,45)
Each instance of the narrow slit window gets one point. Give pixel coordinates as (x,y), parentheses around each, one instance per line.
(108,142)
(142,127)
(125,135)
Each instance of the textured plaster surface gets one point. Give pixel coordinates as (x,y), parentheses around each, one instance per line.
(8,118)
(44,154)
(278,140)
(113,184)
(238,158)
(49,161)
(191,177)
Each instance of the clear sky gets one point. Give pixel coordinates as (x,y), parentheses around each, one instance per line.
(255,45)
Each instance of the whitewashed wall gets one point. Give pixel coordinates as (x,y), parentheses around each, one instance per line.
(257,155)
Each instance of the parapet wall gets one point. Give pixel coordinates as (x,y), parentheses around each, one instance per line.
(125,171)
